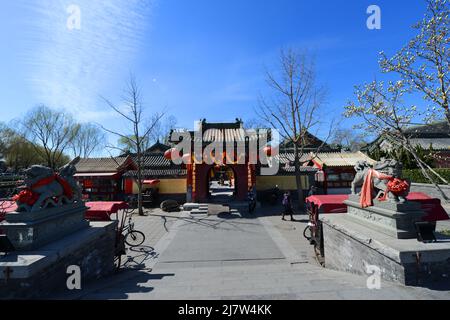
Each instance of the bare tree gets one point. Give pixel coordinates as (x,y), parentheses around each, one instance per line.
(50,132)
(348,139)
(133,113)
(253,123)
(295,104)
(163,128)
(382,109)
(424,63)
(88,138)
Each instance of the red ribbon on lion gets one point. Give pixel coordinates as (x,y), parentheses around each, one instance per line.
(29,197)
(395,185)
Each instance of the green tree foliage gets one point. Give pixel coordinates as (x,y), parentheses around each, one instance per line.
(416,175)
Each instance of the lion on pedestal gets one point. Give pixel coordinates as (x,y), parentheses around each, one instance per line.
(45,188)
(382,181)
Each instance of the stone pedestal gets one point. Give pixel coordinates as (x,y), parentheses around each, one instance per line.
(32,230)
(40,273)
(355,248)
(394,219)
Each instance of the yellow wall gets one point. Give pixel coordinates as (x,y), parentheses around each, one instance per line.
(172,186)
(167,186)
(283,182)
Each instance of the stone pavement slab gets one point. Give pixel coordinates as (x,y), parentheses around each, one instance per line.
(241,257)
(225,238)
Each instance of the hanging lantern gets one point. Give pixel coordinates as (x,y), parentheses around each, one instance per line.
(172,154)
(268,151)
(168,154)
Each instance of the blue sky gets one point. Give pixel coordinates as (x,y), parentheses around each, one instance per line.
(193,58)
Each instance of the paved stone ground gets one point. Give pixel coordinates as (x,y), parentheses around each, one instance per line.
(233,256)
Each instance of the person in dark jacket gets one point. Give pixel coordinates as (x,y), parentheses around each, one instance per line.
(251,201)
(287,205)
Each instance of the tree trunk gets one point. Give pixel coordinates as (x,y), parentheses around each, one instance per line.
(447,114)
(434,172)
(298,177)
(140,208)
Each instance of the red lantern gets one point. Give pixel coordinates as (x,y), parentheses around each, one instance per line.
(172,154)
(268,151)
(168,154)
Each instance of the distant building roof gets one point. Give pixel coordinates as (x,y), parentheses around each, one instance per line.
(339,159)
(155,160)
(158,147)
(104,165)
(158,173)
(227,132)
(439,129)
(312,143)
(286,161)
(435,135)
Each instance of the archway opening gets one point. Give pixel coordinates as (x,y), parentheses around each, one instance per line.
(221,184)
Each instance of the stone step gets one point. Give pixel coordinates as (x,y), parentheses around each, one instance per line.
(190,206)
(199,212)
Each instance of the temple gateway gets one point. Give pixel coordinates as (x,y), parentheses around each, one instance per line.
(228,178)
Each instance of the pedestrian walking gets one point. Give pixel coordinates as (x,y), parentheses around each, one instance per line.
(251,201)
(287,205)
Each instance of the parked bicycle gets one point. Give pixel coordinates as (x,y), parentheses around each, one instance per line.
(127,235)
(132,237)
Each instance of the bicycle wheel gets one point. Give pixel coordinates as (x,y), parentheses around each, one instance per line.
(117,262)
(305,233)
(134,238)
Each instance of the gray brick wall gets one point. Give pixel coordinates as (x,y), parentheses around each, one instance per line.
(96,260)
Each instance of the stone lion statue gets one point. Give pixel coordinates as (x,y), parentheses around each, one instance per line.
(385,178)
(43,187)
(361,169)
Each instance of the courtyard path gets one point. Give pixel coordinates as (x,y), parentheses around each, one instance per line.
(229,255)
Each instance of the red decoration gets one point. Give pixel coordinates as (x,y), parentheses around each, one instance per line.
(88,183)
(26,196)
(168,154)
(398,186)
(29,196)
(268,151)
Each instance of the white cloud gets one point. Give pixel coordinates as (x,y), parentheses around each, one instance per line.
(70,68)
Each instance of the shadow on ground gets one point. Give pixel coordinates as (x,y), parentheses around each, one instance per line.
(135,282)
(138,256)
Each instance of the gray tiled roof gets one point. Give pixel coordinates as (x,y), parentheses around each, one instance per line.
(155,160)
(439,129)
(100,164)
(436,143)
(342,159)
(159,173)
(331,159)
